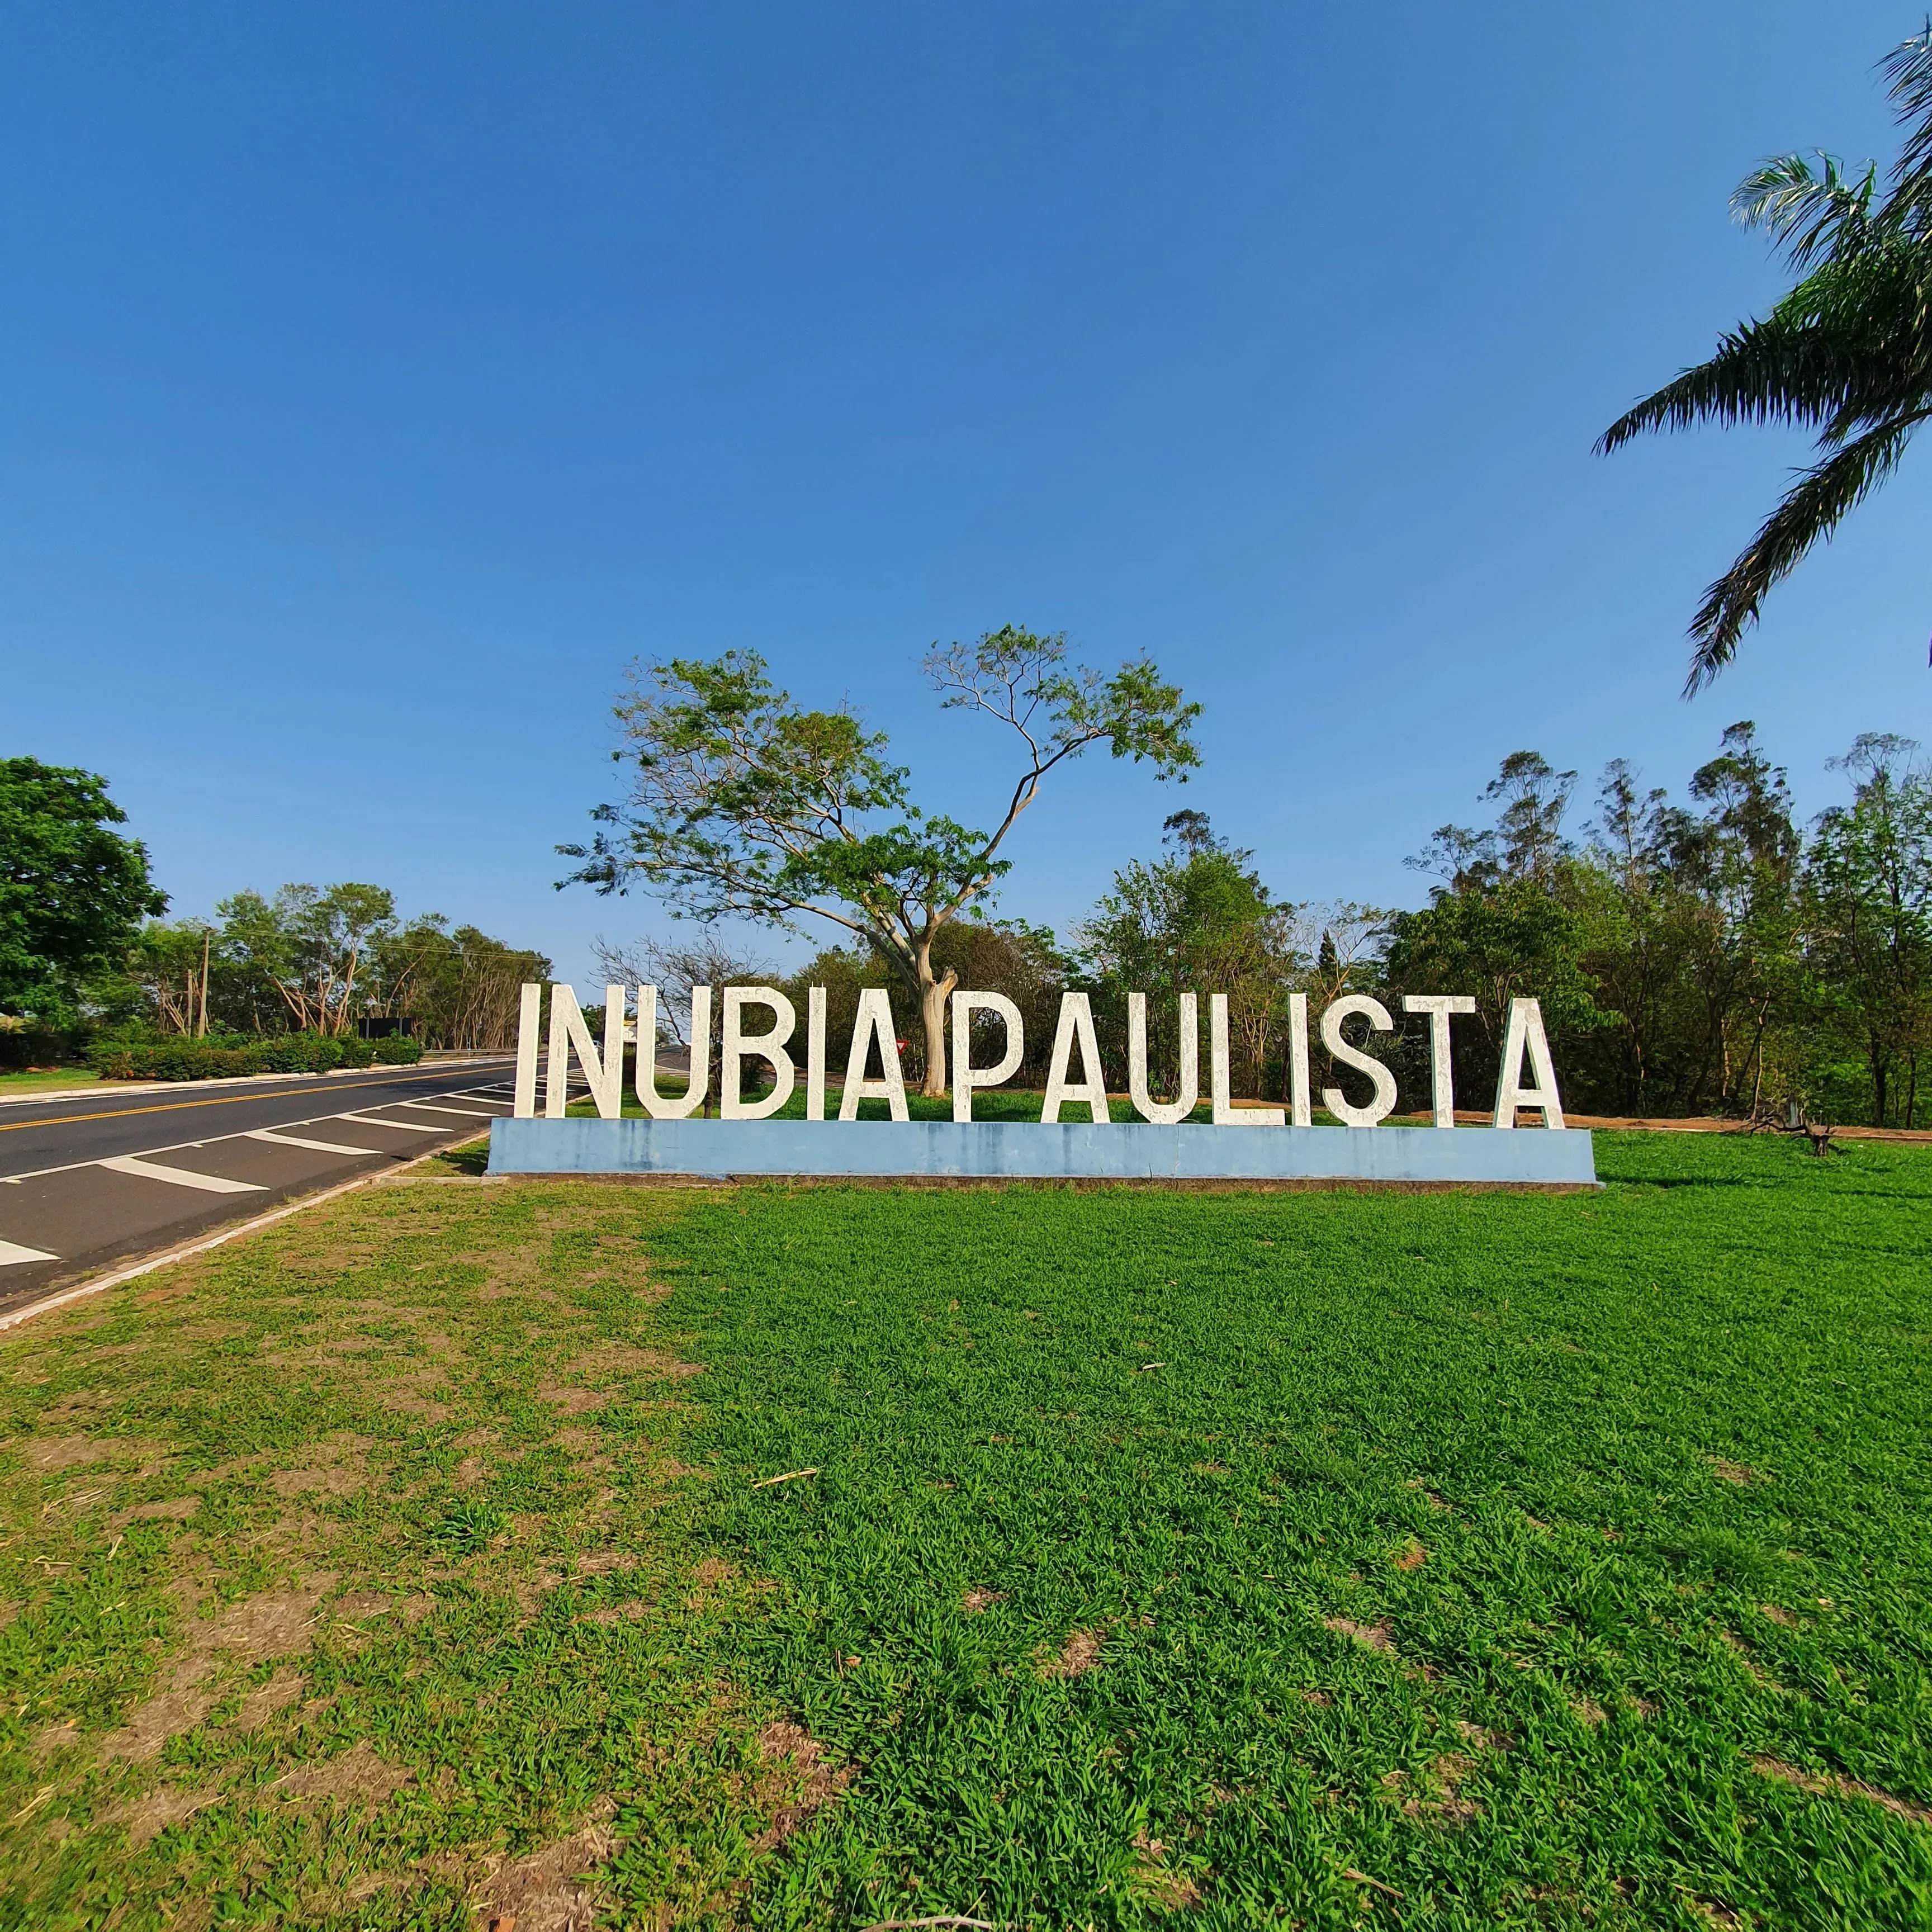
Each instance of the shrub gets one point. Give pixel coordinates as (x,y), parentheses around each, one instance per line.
(234,1059)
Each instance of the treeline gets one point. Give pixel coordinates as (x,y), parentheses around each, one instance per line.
(316,962)
(1705,955)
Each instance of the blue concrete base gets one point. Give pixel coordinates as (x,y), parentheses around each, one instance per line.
(1009,1150)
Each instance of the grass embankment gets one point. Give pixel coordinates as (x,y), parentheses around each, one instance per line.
(53,1080)
(1334,1559)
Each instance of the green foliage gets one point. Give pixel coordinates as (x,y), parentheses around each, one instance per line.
(222,1058)
(1023,962)
(318,961)
(73,892)
(740,805)
(1843,354)
(1198,918)
(1870,893)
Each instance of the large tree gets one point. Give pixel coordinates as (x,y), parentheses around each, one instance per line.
(73,891)
(1870,892)
(1847,355)
(742,805)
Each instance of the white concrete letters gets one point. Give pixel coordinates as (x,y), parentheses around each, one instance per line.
(1526,1031)
(1383,1104)
(966,1077)
(875,1023)
(1226,1114)
(1076,1025)
(1164,1113)
(1526,1078)
(1302,1114)
(1441,1074)
(529,1019)
(567,1032)
(644,1077)
(814,1053)
(735,1043)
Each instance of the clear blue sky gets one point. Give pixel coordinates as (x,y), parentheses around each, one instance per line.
(375,381)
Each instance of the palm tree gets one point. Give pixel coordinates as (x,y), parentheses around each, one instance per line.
(1847,353)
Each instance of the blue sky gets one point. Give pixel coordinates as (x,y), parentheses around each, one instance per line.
(375,382)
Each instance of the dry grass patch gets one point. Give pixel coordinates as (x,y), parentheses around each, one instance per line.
(1378,1636)
(1822,1784)
(1080,1654)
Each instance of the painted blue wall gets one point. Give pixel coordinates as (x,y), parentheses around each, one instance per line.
(1001,1150)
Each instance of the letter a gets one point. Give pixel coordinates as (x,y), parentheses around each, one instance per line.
(1525,1034)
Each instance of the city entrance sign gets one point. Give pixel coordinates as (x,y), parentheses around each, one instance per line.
(1071,1140)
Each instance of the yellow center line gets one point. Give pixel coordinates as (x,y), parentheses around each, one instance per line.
(176,1106)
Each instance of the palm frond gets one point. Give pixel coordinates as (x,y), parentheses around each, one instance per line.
(1785,369)
(1908,74)
(1809,211)
(1812,509)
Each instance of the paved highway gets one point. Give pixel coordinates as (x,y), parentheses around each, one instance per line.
(86,1181)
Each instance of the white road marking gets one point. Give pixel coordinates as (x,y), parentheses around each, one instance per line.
(461,1113)
(178,1177)
(12,1254)
(174,1147)
(400,1127)
(275,1139)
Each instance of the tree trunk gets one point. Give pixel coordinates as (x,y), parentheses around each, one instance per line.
(933,994)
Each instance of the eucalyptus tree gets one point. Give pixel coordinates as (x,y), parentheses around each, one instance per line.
(1847,355)
(741,805)
(1869,881)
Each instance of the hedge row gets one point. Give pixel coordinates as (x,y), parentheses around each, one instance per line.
(282,1053)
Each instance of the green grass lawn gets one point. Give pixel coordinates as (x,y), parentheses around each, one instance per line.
(1320,1559)
(59,1078)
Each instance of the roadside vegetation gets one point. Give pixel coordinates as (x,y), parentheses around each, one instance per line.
(1455,1560)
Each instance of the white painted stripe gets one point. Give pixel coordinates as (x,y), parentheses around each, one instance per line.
(12,1254)
(314,1146)
(461,1113)
(178,1177)
(400,1127)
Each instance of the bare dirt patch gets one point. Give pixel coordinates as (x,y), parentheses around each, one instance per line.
(1373,1637)
(265,1699)
(572,1398)
(176,1509)
(1413,1557)
(1435,1797)
(72,1452)
(144,1816)
(799,1783)
(624,1358)
(1731,1472)
(975,1601)
(552,1889)
(278,1624)
(713,1570)
(603,1562)
(356,1776)
(1830,1784)
(1587,1710)
(1777,1616)
(1164,1888)
(332,1476)
(1078,1654)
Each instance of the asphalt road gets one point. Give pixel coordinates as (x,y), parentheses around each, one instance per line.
(87,1182)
